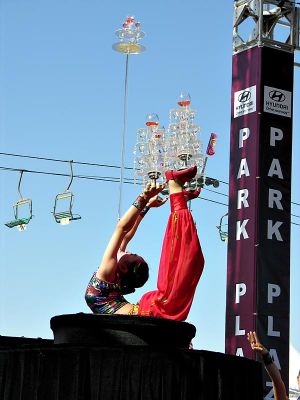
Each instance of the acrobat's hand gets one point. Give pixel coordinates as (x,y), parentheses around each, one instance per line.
(255,343)
(157,201)
(153,189)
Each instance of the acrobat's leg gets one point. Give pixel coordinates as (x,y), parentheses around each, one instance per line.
(181,263)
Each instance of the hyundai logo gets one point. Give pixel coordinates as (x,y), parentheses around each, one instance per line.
(244,96)
(276,95)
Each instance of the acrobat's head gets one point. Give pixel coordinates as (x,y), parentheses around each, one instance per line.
(133,272)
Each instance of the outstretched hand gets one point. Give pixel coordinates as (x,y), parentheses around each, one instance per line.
(152,189)
(156,201)
(255,343)
(270,366)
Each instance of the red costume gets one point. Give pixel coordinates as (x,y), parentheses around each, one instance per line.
(181,265)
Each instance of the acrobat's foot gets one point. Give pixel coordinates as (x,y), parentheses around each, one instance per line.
(182,176)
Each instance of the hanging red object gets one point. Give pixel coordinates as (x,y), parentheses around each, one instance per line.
(210,151)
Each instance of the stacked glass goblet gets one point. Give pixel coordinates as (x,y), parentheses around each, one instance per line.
(157,151)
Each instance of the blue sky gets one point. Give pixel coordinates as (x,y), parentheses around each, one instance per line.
(61,97)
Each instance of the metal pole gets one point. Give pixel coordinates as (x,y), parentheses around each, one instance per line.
(260,23)
(123,137)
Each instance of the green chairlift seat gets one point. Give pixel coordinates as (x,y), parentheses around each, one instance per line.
(21,221)
(65,215)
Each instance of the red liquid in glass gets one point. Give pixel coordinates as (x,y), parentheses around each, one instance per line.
(184,103)
(151,123)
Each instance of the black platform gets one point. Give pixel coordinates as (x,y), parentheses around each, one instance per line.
(69,371)
(121,330)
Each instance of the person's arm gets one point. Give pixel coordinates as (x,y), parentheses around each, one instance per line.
(108,265)
(155,201)
(270,366)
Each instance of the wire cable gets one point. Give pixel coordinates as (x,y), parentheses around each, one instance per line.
(214,191)
(213,201)
(113,180)
(63,161)
(96,165)
(100,178)
(106,179)
(97,178)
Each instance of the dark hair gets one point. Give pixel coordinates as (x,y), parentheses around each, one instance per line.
(137,272)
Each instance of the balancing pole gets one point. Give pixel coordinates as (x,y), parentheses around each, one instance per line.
(129,35)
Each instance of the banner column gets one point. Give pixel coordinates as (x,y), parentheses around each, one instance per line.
(260,204)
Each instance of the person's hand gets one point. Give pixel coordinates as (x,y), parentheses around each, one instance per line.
(152,189)
(156,201)
(255,343)
(270,366)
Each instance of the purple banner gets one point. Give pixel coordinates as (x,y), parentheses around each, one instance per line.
(259,203)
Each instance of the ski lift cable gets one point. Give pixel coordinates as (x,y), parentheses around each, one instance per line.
(99,178)
(63,161)
(95,177)
(92,177)
(110,179)
(105,179)
(93,165)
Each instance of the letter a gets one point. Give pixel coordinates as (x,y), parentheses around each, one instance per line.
(243,170)
(275,169)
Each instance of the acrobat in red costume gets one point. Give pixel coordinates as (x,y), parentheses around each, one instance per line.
(181,262)
(181,265)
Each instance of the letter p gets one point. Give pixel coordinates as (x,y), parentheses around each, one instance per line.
(240,290)
(243,135)
(275,134)
(273,291)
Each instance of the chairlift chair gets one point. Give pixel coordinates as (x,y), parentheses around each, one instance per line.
(223,233)
(20,222)
(65,216)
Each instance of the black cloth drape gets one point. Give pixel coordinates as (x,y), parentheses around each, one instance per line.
(68,372)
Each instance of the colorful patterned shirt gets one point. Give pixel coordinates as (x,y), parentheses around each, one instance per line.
(104,297)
